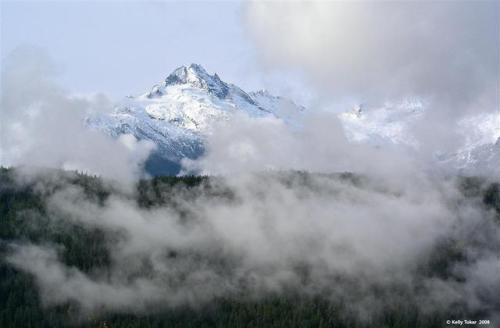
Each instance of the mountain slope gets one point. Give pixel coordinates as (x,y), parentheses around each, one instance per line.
(181,110)
(478,152)
(178,113)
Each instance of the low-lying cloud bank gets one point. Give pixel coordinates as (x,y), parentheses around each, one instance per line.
(349,239)
(244,144)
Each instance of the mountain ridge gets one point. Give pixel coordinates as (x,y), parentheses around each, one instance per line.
(180,111)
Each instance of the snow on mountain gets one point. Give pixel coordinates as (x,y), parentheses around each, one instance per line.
(481,150)
(177,113)
(378,126)
(283,108)
(391,124)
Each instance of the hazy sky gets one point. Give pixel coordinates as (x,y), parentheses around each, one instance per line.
(124,47)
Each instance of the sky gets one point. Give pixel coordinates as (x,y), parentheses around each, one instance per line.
(122,48)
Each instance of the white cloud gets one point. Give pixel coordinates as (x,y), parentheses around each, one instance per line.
(445,52)
(43,126)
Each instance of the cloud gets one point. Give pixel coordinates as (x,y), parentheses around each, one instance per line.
(316,143)
(444,52)
(273,233)
(385,49)
(43,125)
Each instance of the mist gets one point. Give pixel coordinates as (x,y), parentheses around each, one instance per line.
(285,209)
(442,52)
(272,234)
(42,124)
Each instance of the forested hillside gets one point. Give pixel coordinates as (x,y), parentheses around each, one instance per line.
(24,218)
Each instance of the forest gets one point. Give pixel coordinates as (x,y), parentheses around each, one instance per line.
(24,218)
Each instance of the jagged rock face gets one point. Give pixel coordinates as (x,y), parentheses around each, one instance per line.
(197,77)
(179,112)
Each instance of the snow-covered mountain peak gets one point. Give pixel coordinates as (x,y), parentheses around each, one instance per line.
(192,76)
(180,111)
(188,74)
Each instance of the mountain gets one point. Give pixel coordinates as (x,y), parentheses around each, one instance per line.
(386,124)
(478,152)
(178,113)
